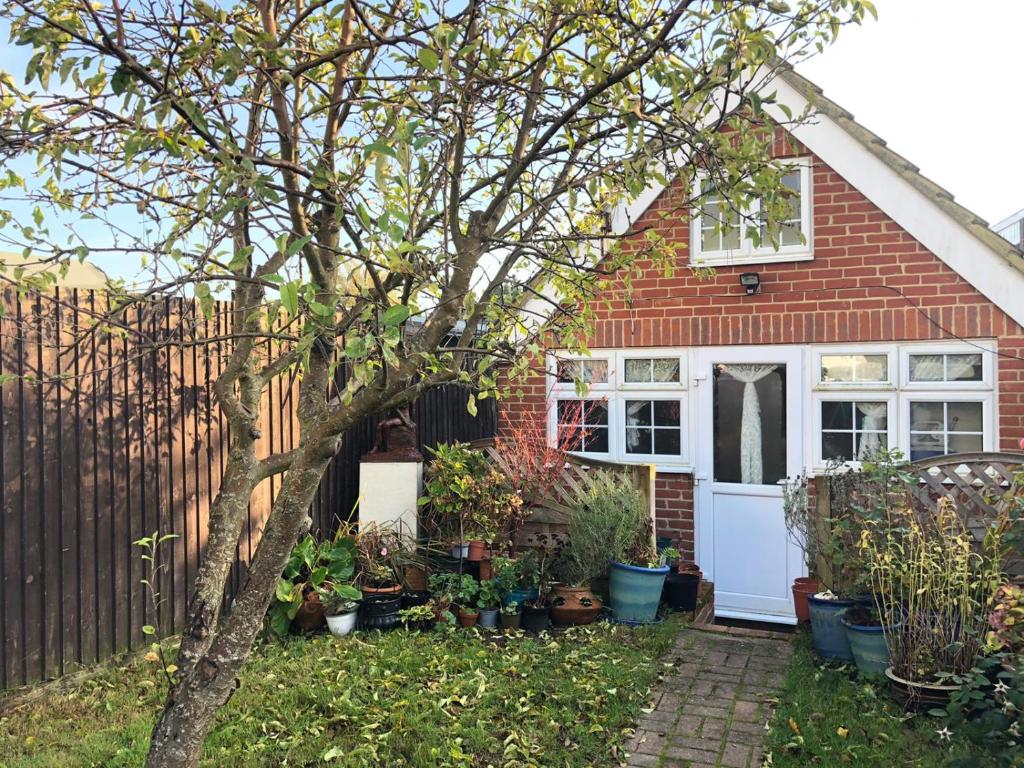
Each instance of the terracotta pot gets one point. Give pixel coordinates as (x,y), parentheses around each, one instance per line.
(486,573)
(311,613)
(468,620)
(802,587)
(476,550)
(393,590)
(574,605)
(415,578)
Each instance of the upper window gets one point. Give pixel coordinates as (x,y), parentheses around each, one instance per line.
(652,370)
(723,235)
(946,368)
(589,371)
(854,369)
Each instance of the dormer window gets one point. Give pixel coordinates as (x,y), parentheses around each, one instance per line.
(721,235)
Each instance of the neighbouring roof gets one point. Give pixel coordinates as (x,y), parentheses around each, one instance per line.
(941,197)
(80,274)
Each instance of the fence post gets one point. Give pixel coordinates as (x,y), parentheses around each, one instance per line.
(646,475)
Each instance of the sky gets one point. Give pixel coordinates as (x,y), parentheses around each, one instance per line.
(939,80)
(942,81)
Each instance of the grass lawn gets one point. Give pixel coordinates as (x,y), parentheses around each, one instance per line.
(827,716)
(441,698)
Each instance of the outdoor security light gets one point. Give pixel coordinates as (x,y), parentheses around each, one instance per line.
(751,281)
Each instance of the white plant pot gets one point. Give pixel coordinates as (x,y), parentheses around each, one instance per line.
(460,551)
(342,624)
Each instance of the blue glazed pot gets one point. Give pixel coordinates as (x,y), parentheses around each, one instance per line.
(635,591)
(827,629)
(868,646)
(520,596)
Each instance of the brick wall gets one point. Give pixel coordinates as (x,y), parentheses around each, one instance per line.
(869,281)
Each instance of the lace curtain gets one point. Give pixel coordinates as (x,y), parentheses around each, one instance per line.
(931,367)
(870,438)
(751,466)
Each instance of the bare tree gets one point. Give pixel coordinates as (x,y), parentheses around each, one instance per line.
(379,185)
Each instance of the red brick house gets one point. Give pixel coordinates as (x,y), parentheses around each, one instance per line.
(897,319)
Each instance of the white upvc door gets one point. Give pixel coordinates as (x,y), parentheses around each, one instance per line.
(750,435)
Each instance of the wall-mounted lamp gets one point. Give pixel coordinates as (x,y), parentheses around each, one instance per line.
(751,281)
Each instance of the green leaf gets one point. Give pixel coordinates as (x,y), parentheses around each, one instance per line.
(428,59)
(395,315)
(119,82)
(290,298)
(148,629)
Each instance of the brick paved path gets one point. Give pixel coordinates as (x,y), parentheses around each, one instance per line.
(713,704)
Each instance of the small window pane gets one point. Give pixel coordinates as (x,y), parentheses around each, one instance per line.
(588,371)
(666,413)
(595,440)
(787,229)
(965,417)
(638,413)
(965,443)
(666,369)
(872,417)
(667,442)
(837,446)
(719,223)
(638,370)
(836,415)
(869,443)
(638,440)
(963,367)
(926,417)
(583,425)
(854,368)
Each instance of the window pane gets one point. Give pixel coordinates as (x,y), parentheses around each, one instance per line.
(854,368)
(667,442)
(666,369)
(964,417)
(927,417)
(925,446)
(837,446)
(595,412)
(836,415)
(872,416)
(589,371)
(596,440)
(927,367)
(666,413)
(963,367)
(719,223)
(787,228)
(734,442)
(638,440)
(638,370)
(638,413)
(965,443)
(869,443)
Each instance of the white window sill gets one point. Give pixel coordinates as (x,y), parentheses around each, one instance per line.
(738,259)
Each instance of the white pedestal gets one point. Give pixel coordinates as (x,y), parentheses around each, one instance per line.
(388,491)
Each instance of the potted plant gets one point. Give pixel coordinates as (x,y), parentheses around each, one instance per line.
(800,525)
(572,601)
(866,637)
(380,560)
(312,567)
(930,586)
(421,617)
(515,577)
(681,588)
(537,610)
(510,615)
(620,528)
(341,607)
(489,602)
(445,589)
(468,588)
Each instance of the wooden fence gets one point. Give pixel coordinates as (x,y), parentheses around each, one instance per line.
(106,437)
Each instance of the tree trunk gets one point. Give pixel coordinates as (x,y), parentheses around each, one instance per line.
(208,683)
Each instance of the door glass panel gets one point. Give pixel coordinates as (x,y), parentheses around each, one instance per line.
(749,423)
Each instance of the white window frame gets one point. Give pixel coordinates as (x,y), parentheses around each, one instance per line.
(987,400)
(984,348)
(765,253)
(553,423)
(650,354)
(848,395)
(684,424)
(889,385)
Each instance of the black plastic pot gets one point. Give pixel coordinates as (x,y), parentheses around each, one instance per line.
(415,598)
(681,591)
(510,620)
(379,611)
(536,619)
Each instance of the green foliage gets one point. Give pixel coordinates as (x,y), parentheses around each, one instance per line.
(988,711)
(468,587)
(324,566)
(445,587)
(610,522)
(488,596)
(370,699)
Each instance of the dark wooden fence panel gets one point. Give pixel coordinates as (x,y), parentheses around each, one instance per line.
(107,437)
